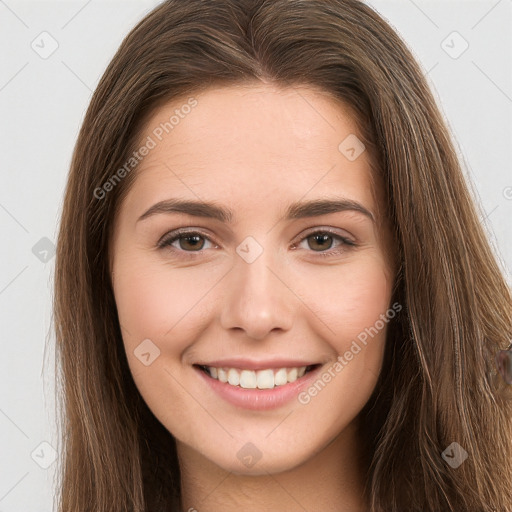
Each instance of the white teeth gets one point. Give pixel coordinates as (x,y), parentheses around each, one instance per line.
(292,375)
(281,377)
(265,379)
(233,377)
(261,379)
(248,379)
(223,376)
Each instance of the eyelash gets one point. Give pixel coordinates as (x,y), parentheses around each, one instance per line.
(170,238)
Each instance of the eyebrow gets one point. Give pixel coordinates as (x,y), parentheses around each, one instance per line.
(298,210)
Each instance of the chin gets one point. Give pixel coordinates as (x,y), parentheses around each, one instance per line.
(268,464)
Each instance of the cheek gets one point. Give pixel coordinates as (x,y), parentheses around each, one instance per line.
(350,298)
(156,301)
(161,304)
(352,310)
(354,303)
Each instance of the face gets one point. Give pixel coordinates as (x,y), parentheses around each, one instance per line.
(287,300)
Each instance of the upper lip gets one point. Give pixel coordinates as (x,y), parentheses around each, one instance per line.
(251,364)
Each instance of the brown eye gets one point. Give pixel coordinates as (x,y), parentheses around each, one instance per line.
(320,242)
(323,242)
(185,242)
(191,242)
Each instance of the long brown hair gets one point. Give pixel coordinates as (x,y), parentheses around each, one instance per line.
(438,383)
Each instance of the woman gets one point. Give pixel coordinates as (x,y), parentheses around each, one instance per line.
(213,355)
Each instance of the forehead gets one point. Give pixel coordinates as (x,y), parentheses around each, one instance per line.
(252,145)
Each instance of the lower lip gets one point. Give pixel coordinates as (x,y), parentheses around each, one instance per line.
(259,399)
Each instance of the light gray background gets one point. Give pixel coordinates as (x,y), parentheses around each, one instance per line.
(42,104)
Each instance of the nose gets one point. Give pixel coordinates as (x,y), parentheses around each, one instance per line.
(257,298)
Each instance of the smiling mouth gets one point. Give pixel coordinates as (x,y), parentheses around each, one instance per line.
(257,379)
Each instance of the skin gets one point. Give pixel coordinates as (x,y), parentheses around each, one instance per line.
(255,149)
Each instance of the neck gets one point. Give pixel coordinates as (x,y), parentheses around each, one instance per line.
(331,480)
